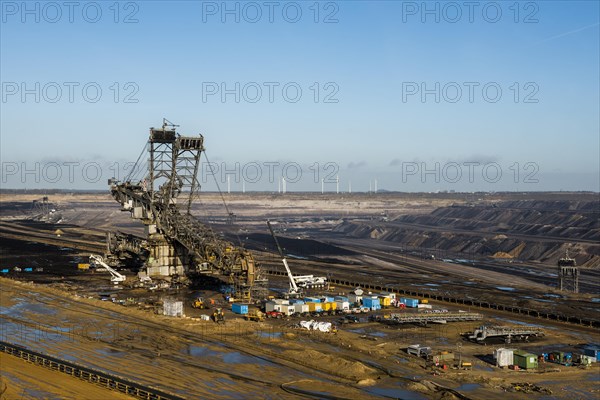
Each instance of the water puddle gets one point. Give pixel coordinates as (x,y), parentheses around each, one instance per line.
(110,352)
(467,387)
(201,351)
(269,335)
(239,358)
(363,331)
(506,288)
(395,393)
(227,357)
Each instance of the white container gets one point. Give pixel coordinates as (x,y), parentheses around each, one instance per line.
(342,305)
(301,308)
(424,306)
(504,357)
(287,309)
(272,306)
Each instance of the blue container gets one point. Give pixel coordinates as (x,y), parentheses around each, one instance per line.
(341,298)
(28,270)
(327,299)
(409,302)
(239,308)
(4,271)
(371,303)
(296,301)
(312,300)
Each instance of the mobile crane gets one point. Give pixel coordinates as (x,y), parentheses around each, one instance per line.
(298,282)
(116,276)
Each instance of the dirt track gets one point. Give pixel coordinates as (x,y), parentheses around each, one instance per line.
(201,359)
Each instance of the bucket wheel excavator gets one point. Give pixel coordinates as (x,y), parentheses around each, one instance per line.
(177,246)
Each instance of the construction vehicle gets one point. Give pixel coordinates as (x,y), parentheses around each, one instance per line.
(274,314)
(300,281)
(116,276)
(162,200)
(218,315)
(198,303)
(255,315)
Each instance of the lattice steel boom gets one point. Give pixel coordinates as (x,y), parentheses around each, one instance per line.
(177,243)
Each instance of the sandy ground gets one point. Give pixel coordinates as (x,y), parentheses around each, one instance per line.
(271,359)
(246,359)
(23,380)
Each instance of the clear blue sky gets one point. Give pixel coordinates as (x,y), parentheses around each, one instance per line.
(375,57)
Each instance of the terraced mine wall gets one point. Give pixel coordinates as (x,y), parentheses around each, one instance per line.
(528,230)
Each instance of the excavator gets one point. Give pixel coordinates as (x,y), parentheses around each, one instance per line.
(218,315)
(200,303)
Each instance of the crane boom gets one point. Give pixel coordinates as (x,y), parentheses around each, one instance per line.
(116,276)
(293,286)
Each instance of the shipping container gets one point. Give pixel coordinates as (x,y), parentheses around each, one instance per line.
(503,357)
(326,306)
(274,306)
(391,296)
(524,359)
(385,301)
(342,305)
(408,302)
(239,308)
(424,306)
(301,308)
(288,309)
(327,299)
(372,303)
(312,300)
(314,307)
(340,298)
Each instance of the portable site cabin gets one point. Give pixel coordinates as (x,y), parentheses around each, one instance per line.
(372,303)
(503,357)
(301,308)
(418,350)
(276,305)
(413,303)
(524,359)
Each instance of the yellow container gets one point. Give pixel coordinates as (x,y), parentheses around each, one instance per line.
(83,266)
(312,307)
(424,301)
(385,301)
(326,306)
(333,306)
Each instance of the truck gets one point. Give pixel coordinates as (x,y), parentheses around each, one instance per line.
(255,315)
(274,314)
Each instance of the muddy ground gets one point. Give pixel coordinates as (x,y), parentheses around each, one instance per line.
(62,314)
